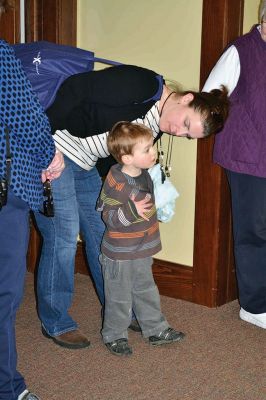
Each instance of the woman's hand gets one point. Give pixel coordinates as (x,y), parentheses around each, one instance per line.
(142,206)
(55,168)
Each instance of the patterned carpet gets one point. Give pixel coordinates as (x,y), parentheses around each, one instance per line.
(221,358)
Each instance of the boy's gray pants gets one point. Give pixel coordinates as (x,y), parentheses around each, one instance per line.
(130,284)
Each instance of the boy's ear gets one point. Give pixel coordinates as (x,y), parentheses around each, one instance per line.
(126,159)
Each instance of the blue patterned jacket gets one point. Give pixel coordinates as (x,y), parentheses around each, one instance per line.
(31,144)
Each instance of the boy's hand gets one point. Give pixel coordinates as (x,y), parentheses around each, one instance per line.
(142,206)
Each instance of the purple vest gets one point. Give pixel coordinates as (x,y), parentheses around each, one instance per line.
(241,146)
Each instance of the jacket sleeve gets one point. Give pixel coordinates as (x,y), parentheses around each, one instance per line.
(116,207)
(225,72)
(30,127)
(118,86)
(118,215)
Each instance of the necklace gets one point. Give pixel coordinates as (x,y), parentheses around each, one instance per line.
(165,169)
(160,114)
(168,167)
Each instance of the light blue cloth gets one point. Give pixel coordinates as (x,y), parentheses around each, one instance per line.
(165,194)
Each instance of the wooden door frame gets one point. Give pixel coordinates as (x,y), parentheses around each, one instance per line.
(213,271)
(211,279)
(51,20)
(10,23)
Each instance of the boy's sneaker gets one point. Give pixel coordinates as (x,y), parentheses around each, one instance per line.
(169,335)
(119,347)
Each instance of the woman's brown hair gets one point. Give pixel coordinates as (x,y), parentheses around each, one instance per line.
(214,108)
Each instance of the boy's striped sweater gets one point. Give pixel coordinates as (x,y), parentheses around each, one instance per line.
(128,236)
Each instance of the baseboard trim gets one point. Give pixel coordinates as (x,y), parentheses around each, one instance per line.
(173,280)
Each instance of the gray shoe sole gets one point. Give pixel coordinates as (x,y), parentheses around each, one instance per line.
(169,341)
(121,354)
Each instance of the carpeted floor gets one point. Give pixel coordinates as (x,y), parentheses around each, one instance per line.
(221,358)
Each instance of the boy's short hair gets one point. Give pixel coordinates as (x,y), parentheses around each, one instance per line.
(124,136)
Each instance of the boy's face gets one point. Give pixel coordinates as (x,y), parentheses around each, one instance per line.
(144,155)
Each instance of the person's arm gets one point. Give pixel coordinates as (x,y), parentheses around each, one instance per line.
(225,72)
(125,213)
(117,211)
(118,206)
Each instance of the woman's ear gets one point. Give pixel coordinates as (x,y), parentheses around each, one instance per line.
(187,98)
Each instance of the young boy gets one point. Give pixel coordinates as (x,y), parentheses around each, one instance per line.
(131,239)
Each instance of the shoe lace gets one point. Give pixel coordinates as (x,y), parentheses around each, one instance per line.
(167,333)
(120,344)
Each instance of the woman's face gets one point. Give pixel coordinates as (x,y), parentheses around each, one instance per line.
(179,119)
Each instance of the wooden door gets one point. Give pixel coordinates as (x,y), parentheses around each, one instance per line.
(214,281)
(10,21)
(52,20)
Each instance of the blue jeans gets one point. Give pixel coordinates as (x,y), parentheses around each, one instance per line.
(75,194)
(14,235)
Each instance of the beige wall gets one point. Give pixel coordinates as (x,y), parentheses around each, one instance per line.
(250,14)
(164,36)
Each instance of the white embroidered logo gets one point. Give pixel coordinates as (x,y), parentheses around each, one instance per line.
(37,61)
